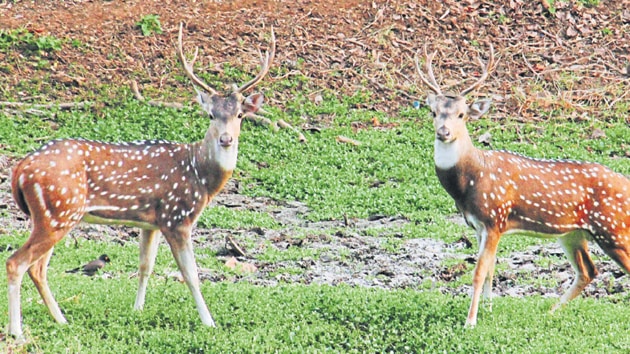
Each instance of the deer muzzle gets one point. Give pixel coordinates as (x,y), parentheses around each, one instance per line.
(443,134)
(226,140)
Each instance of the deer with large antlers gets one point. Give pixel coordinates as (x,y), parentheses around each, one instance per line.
(158,186)
(500,192)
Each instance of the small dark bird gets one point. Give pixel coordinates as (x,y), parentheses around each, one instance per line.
(92,267)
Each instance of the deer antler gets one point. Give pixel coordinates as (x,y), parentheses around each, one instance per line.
(433,85)
(484,75)
(265,63)
(188,67)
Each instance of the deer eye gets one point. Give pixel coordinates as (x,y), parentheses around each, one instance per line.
(460,116)
(433,114)
(240,115)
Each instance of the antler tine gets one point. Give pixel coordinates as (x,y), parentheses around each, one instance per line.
(265,64)
(188,67)
(433,85)
(484,75)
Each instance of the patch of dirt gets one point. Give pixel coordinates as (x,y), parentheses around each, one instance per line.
(350,257)
(566,56)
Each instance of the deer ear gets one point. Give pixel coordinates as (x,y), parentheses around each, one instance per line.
(479,108)
(253,103)
(205,101)
(431,99)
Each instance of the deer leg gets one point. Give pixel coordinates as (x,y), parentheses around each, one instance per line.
(38,273)
(482,234)
(181,247)
(15,272)
(619,253)
(487,285)
(149,241)
(39,245)
(485,263)
(576,249)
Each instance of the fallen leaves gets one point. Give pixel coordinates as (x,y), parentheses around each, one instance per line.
(485,138)
(239,266)
(598,134)
(367,46)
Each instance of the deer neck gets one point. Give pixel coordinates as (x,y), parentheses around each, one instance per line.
(214,163)
(449,155)
(455,164)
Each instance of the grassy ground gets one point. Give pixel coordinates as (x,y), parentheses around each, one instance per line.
(391,173)
(297,318)
(333,179)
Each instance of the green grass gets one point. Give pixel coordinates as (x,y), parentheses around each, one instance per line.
(296,318)
(29,43)
(226,218)
(390,174)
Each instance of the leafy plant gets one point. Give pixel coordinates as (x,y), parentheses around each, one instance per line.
(25,40)
(503,19)
(551,6)
(234,219)
(150,24)
(589,3)
(48,43)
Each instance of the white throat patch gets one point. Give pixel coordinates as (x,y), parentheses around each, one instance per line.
(446,155)
(225,157)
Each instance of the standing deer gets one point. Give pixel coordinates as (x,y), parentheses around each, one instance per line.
(158,186)
(500,192)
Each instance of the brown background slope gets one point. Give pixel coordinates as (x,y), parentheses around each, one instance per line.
(573,58)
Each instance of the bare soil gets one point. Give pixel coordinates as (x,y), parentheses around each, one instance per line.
(564,57)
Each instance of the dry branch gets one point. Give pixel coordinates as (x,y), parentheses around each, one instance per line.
(235,247)
(63,105)
(260,120)
(286,125)
(343,139)
(139,97)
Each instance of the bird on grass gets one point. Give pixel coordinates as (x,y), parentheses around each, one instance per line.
(92,267)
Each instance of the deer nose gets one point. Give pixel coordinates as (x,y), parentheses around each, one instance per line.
(443,133)
(225,140)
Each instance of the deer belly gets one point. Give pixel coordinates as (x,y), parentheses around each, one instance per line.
(95,219)
(536,234)
(544,222)
(531,224)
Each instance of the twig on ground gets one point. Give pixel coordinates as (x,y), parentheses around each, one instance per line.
(235,247)
(63,105)
(260,120)
(139,97)
(32,111)
(531,68)
(136,91)
(343,139)
(286,125)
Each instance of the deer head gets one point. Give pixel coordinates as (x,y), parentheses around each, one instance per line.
(450,114)
(226,112)
(450,111)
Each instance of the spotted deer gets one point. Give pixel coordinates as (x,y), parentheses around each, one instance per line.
(160,187)
(501,192)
